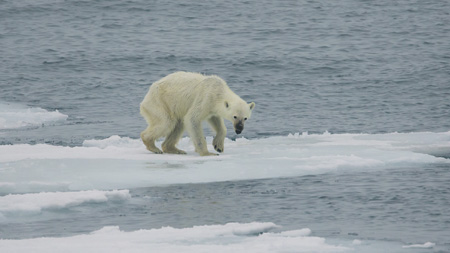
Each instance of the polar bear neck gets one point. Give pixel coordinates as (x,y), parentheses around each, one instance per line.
(227,103)
(230,96)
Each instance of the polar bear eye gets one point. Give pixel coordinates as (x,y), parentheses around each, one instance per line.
(245,118)
(235,117)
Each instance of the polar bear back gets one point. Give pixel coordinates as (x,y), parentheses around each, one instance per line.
(180,92)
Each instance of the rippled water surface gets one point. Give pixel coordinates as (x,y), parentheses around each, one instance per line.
(310,66)
(346,66)
(407,205)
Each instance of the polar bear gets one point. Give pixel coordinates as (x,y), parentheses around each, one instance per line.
(183,100)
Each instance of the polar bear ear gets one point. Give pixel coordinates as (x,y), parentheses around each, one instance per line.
(226,104)
(252,105)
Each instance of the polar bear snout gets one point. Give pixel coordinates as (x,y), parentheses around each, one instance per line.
(239,127)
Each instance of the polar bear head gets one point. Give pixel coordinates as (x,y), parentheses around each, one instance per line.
(238,112)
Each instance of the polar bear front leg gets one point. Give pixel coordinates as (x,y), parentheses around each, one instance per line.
(218,126)
(194,128)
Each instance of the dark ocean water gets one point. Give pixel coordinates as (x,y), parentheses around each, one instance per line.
(341,66)
(406,205)
(311,66)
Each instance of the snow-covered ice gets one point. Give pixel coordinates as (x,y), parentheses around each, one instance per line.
(425,245)
(18,116)
(41,177)
(35,202)
(231,237)
(258,237)
(124,163)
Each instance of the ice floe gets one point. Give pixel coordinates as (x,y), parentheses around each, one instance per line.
(36,202)
(232,237)
(18,116)
(124,163)
(425,245)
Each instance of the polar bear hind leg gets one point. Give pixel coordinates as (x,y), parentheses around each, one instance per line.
(148,138)
(158,126)
(172,139)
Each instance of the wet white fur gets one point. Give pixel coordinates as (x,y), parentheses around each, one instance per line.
(183,100)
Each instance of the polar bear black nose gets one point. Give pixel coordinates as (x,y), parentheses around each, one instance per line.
(239,127)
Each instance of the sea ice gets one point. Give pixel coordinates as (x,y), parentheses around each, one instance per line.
(231,237)
(55,177)
(425,245)
(17,116)
(35,202)
(124,163)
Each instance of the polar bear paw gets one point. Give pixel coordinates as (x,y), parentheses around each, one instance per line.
(208,154)
(174,150)
(155,150)
(218,144)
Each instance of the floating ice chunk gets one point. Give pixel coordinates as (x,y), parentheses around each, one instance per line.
(357,242)
(297,233)
(425,245)
(113,141)
(28,168)
(215,238)
(18,116)
(254,228)
(35,202)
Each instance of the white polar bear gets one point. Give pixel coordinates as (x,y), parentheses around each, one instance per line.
(183,100)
